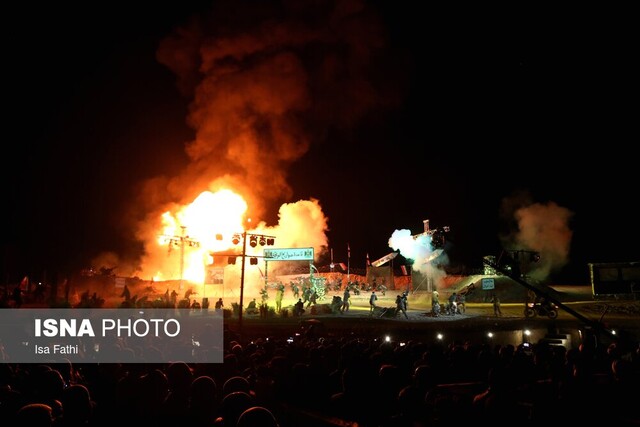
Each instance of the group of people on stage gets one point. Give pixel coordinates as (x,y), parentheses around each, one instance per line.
(456,304)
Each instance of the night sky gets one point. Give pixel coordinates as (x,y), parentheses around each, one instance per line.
(403,113)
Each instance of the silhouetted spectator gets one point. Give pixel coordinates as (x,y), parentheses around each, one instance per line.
(257,416)
(49,387)
(236,383)
(203,401)
(35,415)
(77,406)
(233,405)
(353,402)
(152,389)
(176,404)
(498,401)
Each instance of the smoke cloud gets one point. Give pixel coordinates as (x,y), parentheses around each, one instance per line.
(265,80)
(539,227)
(426,259)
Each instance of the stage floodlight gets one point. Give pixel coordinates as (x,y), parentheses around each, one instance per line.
(231,260)
(270,241)
(263,241)
(253,261)
(236,239)
(253,241)
(218,236)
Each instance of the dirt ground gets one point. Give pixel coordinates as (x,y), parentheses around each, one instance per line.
(476,323)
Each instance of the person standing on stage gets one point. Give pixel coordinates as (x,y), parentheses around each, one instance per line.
(345,300)
(372,301)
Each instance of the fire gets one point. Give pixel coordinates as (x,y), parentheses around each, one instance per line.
(208,215)
(193,231)
(180,242)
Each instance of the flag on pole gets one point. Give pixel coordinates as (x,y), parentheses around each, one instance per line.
(348,260)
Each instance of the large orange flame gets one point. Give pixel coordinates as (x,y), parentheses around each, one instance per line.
(188,237)
(196,230)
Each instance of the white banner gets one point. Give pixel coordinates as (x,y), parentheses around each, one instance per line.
(289,254)
(214,276)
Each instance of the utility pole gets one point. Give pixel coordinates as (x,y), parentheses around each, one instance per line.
(180,242)
(244,255)
(348,262)
(254,239)
(332,265)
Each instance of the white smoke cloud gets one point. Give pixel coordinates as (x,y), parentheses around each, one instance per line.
(419,248)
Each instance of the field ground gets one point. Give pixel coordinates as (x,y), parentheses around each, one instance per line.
(476,323)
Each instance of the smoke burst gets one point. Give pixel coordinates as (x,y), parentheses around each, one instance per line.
(265,80)
(542,228)
(419,248)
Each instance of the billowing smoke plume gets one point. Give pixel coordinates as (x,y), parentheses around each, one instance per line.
(265,80)
(541,228)
(420,248)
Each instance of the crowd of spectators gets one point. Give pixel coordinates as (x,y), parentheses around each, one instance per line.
(335,381)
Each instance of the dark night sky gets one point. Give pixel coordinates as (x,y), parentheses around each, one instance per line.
(490,104)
